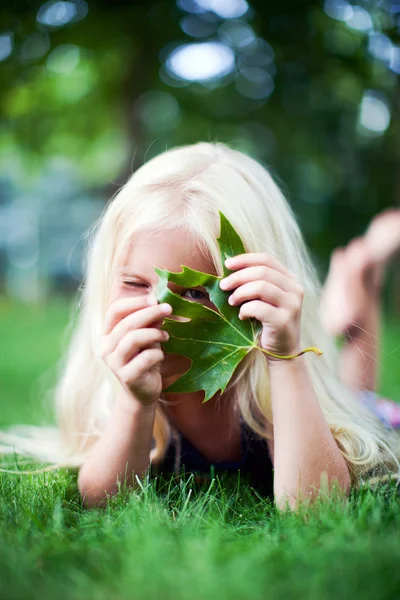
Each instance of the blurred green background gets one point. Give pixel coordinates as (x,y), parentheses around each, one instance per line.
(92,89)
(88,91)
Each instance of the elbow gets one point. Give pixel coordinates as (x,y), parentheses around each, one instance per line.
(337,485)
(96,494)
(91,495)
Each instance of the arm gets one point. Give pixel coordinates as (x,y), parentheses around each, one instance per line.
(124,447)
(304,447)
(131,349)
(303,444)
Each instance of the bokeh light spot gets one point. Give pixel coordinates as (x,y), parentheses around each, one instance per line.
(380,46)
(360,19)
(395,60)
(258,54)
(158,111)
(191,6)
(374,112)
(6,45)
(34,47)
(236,34)
(57,14)
(255,90)
(255,74)
(226,9)
(63,59)
(198,26)
(201,62)
(70,86)
(340,10)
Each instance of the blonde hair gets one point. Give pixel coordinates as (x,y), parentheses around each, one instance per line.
(187,187)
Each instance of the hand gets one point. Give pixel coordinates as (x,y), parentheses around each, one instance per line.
(268,292)
(131,347)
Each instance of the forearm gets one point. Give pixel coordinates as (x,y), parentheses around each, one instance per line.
(124,447)
(304,447)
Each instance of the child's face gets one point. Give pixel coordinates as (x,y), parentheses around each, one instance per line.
(169,249)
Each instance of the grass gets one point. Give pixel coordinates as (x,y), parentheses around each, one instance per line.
(177,542)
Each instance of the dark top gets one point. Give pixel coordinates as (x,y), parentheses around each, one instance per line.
(255,464)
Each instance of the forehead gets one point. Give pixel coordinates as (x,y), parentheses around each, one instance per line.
(168,249)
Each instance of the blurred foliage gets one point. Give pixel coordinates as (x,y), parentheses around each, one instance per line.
(92,82)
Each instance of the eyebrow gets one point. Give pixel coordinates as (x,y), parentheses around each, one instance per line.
(125,273)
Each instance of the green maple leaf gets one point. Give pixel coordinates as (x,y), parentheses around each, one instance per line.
(215,343)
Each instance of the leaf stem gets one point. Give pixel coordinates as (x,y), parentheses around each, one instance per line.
(317,351)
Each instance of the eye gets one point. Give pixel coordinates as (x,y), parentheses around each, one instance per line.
(135,284)
(197,294)
(193,293)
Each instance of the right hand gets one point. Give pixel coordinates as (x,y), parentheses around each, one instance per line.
(130,346)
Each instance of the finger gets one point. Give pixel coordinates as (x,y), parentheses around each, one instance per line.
(122,307)
(260,272)
(142,363)
(252,259)
(264,313)
(134,342)
(158,324)
(145,317)
(257,290)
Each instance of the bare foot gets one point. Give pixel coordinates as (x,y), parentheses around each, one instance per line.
(356,273)
(383,235)
(353,282)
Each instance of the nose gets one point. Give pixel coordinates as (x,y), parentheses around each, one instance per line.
(152,298)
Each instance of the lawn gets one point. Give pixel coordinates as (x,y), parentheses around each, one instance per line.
(176,543)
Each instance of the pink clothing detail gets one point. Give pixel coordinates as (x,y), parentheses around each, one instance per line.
(388,411)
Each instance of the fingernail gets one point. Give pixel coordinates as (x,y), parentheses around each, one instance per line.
(166,309)
(229,261)
(223,284)
(231,300)
(166,335)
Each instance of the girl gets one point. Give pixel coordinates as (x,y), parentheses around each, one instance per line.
(292,419)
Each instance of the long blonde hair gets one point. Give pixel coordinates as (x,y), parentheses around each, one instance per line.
(187,187)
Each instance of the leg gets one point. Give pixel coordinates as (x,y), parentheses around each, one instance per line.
(359,357)
(351,298)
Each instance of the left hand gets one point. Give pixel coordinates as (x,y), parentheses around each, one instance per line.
(270,293)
